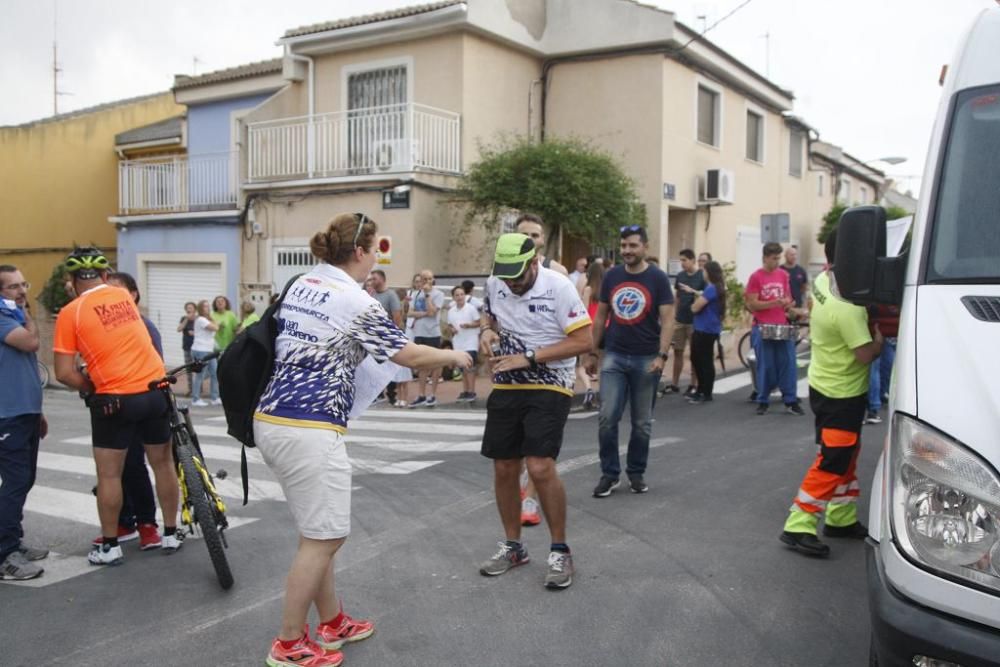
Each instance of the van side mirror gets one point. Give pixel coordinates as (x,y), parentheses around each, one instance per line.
(865,276)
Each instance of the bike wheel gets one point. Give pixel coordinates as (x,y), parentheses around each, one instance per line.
(743,350)
(43,374)
(203,515)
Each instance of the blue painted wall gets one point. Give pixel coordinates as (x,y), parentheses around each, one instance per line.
(201,237)
(209,127)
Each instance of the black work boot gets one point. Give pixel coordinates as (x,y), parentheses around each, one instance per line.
(856,531)
(805,543)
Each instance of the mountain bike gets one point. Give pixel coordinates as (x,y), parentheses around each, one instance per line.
(201,504)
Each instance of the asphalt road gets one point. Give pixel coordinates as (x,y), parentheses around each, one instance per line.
(691,573)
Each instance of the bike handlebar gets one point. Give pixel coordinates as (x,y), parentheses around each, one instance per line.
(171,376)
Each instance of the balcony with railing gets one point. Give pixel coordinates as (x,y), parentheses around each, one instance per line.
(371,141)
(178,184)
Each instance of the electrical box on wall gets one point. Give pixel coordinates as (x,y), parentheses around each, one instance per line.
(259,294)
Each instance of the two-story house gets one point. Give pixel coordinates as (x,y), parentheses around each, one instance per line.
(383,112)
(179,223)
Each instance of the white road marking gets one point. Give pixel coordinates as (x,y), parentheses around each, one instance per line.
(62,504)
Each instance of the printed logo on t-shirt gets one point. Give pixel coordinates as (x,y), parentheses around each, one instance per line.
(772,291)
(113,315)
(630,303)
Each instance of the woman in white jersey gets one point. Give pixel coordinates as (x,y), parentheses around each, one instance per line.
(327,325)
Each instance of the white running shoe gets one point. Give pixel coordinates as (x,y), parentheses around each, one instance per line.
(171,543)
(200,403)
(102,556)
(216,401)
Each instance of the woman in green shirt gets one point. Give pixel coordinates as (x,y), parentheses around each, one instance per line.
(249,314)
(225,319)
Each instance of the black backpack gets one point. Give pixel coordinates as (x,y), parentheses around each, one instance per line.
(244,370)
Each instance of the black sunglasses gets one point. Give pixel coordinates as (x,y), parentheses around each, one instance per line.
(630,228)
(362,219)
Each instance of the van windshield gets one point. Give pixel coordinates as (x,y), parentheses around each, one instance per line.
(965,236)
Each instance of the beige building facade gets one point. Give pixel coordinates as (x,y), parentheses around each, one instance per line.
(381,114)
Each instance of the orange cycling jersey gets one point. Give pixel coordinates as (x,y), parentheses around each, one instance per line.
(103,325)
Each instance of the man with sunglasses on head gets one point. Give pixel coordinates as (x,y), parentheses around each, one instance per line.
(533,326)
(636,342)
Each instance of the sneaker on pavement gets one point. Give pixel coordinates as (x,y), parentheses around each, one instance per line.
(605,486)
(430,402)
(16,567)
(873,417)
(200,403)
(104,555)
(637,485)
(506,558)
(171,543)
(529,512)
(303,653)
(347,630)
(560,574)
(125,534)
(696,399)
(795,409)
(417,402)
(149,536)
(691,390)
(588,400)
(805,543)
(762,408)
(32,553)
(670,389)
(752,398)
(856,531)
(216,401)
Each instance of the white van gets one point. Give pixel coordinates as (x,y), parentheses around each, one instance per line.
(934,546)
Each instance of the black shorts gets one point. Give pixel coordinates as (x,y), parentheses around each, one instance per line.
(139,418)
(429,342)
(524,422)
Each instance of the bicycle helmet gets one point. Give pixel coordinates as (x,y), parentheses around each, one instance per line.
(86,263)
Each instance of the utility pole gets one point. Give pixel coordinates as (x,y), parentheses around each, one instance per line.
(55,59)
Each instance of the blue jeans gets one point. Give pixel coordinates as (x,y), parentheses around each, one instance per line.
(626,378)
(213,379)
(776,367)
(18,463)
(886,361)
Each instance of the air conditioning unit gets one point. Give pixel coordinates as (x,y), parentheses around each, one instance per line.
(396,154)
(720,186)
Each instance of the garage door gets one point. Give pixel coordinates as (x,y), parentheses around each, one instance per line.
(169,285)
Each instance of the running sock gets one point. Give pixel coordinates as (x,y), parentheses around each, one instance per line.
(335,621)
(108,543)
(170,530)
(289,643)
(561,547)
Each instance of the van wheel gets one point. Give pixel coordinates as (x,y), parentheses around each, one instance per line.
(872,655)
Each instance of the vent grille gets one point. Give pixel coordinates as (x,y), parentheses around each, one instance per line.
(985,308)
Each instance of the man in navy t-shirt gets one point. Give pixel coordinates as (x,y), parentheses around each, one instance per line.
(636,340)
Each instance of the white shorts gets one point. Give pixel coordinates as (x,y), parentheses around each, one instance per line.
(314,471)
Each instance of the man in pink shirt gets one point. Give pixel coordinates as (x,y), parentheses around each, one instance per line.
(768,297)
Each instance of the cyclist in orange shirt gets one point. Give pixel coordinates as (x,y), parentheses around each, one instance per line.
(103,326)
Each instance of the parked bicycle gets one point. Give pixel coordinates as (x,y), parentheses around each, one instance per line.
(43,374)
(797,331)
(201,504)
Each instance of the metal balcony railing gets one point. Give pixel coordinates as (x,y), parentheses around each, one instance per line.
(178,183)
(374,140)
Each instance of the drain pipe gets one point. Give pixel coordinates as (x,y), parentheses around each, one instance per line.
(311,94)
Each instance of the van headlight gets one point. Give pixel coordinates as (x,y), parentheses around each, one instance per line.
(946,503)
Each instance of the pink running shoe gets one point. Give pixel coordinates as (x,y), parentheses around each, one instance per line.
(303,653)
(343,630)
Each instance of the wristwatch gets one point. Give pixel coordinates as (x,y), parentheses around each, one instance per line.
(530,356)
(664,355)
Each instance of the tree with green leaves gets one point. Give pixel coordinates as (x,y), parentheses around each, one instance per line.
(577,188)
(832,218)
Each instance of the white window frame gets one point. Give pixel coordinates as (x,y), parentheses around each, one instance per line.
(844,191)
(819,184)
(354,68)
(719,115)
(862,195)
(748,108)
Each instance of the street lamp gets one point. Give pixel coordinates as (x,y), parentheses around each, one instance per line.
(893,160)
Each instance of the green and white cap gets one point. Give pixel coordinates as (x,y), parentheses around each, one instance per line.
(513,254)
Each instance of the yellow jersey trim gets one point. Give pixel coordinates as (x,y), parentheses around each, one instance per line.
(578,325)
(299,423)
(547,387)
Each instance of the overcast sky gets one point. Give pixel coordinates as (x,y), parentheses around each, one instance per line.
(864,72)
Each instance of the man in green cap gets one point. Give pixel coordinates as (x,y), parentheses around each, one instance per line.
(533,326)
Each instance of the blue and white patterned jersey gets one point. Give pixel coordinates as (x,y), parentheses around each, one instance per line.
(543,316)
(326,324)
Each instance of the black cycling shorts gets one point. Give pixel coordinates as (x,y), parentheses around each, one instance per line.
(525,422)
(139,418)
